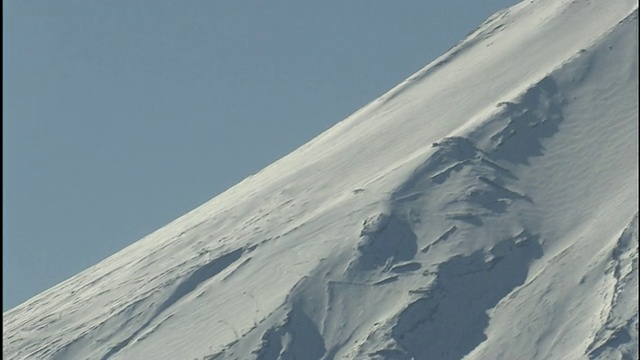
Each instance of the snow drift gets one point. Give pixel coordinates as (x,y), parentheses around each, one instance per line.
(484,208)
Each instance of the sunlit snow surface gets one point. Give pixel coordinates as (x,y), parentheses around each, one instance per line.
(485,208)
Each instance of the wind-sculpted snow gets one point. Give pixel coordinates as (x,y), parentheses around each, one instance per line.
(617,338)
(188,285)
(464,289)
(536,116)
(199,276)
(297,338)
(385,240)
(485,208)
(448,302)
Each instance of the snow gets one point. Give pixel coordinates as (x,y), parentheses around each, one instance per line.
(484,208)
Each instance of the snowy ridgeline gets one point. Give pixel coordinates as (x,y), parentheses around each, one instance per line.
(485,208)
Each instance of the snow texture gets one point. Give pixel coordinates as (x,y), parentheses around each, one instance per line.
(484,208)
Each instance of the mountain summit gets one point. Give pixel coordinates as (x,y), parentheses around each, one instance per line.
(484,208)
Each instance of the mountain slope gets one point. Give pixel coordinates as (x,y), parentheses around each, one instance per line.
(485,208)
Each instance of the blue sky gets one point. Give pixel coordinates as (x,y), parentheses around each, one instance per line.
(121,115)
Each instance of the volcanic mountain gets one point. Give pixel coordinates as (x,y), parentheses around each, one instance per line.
(484,208)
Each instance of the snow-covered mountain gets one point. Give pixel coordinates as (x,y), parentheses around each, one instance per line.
(484,208)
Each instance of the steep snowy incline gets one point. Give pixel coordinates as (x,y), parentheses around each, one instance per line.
(484,208)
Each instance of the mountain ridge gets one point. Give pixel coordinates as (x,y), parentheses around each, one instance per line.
(453,206)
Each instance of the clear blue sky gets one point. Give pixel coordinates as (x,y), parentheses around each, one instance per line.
(121,115)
